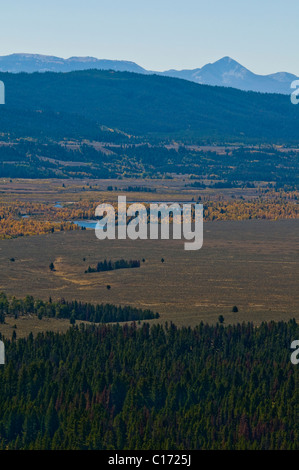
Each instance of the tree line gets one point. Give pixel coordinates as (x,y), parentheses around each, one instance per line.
(112,265)
(73,310)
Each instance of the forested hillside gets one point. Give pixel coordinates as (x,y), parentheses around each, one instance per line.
(56,104)
(235,166)
(113,387)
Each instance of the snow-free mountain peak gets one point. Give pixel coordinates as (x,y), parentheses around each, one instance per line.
(225,72)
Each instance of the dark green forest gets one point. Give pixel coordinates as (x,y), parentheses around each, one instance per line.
(74,310)
(77,104)
(129,387)
(112,265)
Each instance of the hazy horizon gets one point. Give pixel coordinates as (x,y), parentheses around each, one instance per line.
(145,67)
(159,35)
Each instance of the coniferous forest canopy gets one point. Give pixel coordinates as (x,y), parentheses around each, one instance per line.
(113,387)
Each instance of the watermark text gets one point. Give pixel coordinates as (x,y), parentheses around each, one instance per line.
(133,222)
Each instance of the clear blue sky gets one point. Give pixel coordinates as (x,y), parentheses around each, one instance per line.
(157,34)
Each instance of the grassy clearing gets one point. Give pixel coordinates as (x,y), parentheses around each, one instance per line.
(251,264)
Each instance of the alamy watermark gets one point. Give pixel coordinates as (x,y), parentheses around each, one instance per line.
(295,93)
(186,221)
(295,354)
(2,353)
(2,93)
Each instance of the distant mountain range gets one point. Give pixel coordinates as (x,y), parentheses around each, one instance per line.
(30,63)
(229,73)
(225,72)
